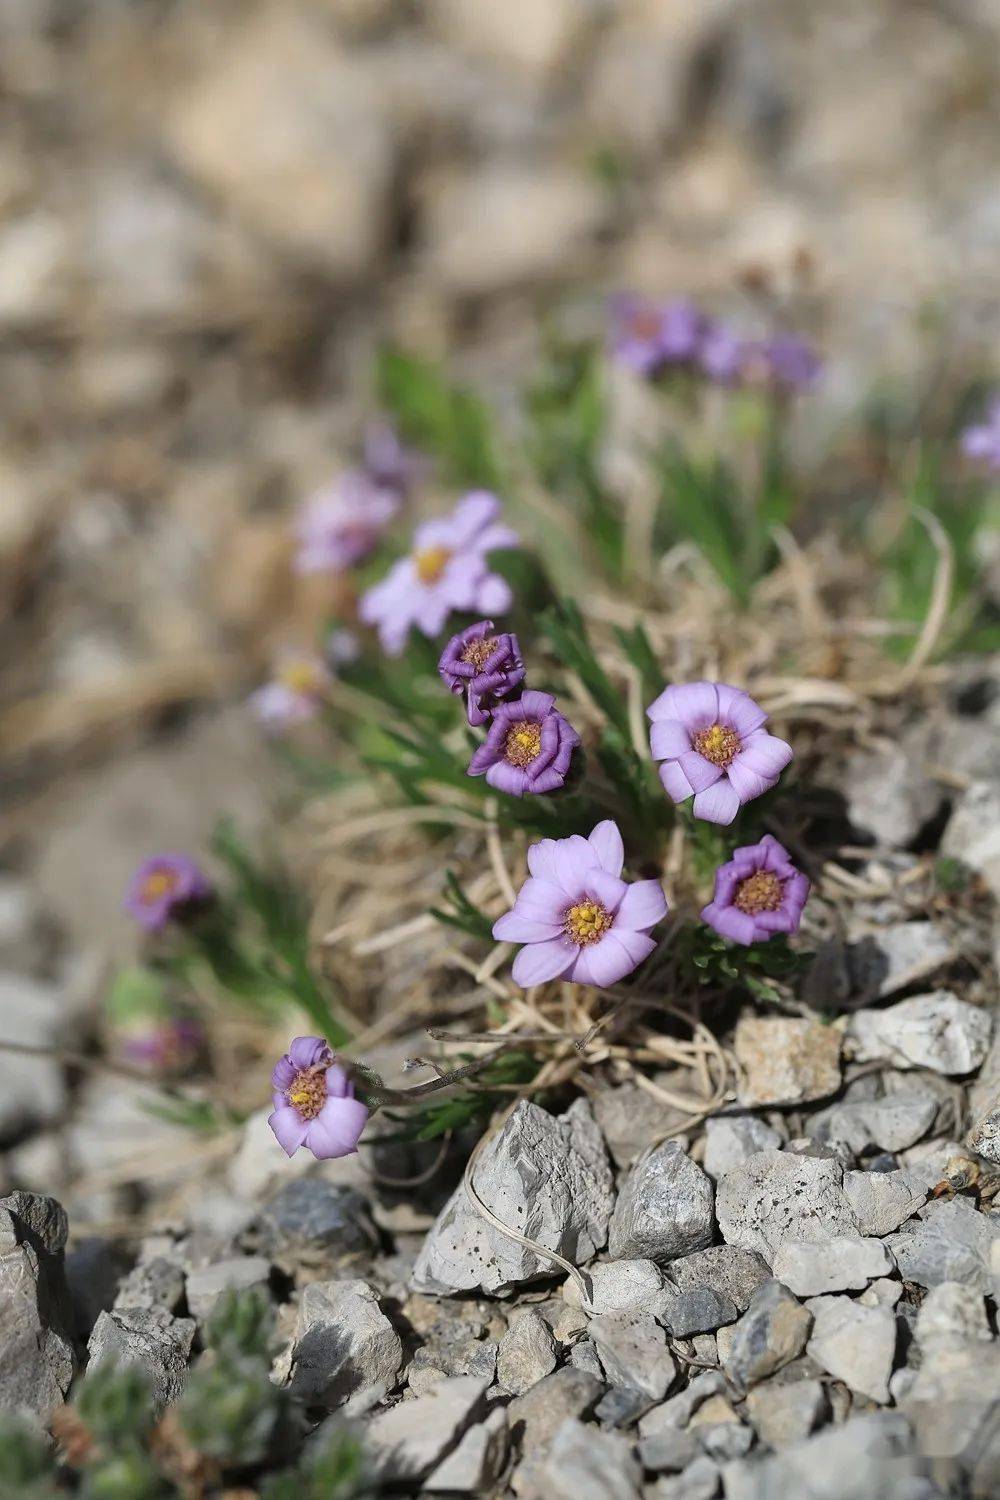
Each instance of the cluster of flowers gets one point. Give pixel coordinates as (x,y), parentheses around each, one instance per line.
(653,337)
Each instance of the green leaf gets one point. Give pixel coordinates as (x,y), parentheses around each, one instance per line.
(446,420)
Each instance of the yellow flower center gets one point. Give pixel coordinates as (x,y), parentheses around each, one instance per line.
(157,884)
(478,653)
(718,744)
(301,677)
(308,1091)
(586,922)
(523,743)
(759,892)
(430,563)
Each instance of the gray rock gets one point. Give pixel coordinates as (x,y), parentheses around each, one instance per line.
(585,1463)
(535,1417)
(699,1481)
(868,1456)
(699,1310)
(786,1413)
(410,1439)
(952,1402)
(678,1411)
(890,1124)
(478,1461)
(984,1137)
(730,1139)
(150,1339)
(313,1222)
(973,832)
(239,1273)
(635,1355)
(947,1242)
(936,1031)
(772,1332)
(158,1282)
(629,1118)
(881,1201)
(526,1354)
(547,1178)
(777,1195)
(622,1406)
(812,1267)
(728,1270)
(664,1209)
(724,1441)
(343,1345)
(889,794)
(882,1293)
(619,1287)
(951,1312)
(884,960)
(94,1270)
(781,1060)
(36,1316)
(669,1451)
(583,1356)
(856,1344)
(32,1089)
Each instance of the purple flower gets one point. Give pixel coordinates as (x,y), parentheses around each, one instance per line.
(164,887)
(161,1044)
(314,1103)
(447,571)
(982,441)
(528,747)
(785,362)
(721,353)
(295,693)
(757,894)
(388,462)
(486,664)
(343,523)
(576,916)
(646,336)
(713,745)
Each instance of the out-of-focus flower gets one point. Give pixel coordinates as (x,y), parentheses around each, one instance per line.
(711,740)
(721,353)
(295,693)
(161,1044)
(342,524)
(483,663)
(576,916)
(314,1103)
(982,440)
(389,462)
(757,894)
(528,746)
(446,571)
(342,648)
(646,335)
(163,888)
(785,362)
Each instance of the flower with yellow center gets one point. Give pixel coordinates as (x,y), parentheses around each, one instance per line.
(587,922)
(523,743)
(430,563)
(157,884)
(718,744)
(759,892)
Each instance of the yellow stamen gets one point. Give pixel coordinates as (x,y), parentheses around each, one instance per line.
(158,884)
(478,653)
(759,892)
(586,922)
(301,677)
(523,743)
(718,744)
(431,562)
(308,1092)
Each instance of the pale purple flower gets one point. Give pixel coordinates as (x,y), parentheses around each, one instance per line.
(577,917)
(484,664)
(314,1103)
(342,524)
(982,441)
(160,1044)
(646,335)
(713,745)
(757,894)
(721,354)
(446,571)
(785,362)
(389,462)
(165,887)
(528,746)
(295,693)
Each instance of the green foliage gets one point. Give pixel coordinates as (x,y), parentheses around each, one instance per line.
(126,1476)
(469,1107)
(723,966)
(114,1405)
(26,1461)
(333,1467)
(952,876)
(233,1413)
(136,991)
(241,1325)
(460,911)
(446,421)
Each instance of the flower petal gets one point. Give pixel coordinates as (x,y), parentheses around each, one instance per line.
(643,905)
(606,842)
(507,778)
(748,783)
(604,887)
(336,1129)
(493,595)
(289,1128)
(338,1083)
(540,900)
(675,783)
(541,859)
(696,704)
(541,961)
(610,959)
(738,710)
(719,804)
(729,923)
(668,738)
(764,753)
(700,773)
(573,858)
(283,1073)
(513,928)
(307,1051)
(533,704)
(473,513)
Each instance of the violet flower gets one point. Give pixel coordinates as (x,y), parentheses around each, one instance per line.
(713,745)
(295,693)
(163,888)
(646,336)
(314,1103)
(161,1044)
(576,916)
(528,746)
(721,354)
(785,362)
(757,894)
(342,524)
(389,462)
(484,663)
(446,571)
(982,440)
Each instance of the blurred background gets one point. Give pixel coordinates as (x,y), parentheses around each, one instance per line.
(212,214)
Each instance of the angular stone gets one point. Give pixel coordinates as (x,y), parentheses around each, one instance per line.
(812,1267)
(664,1209)
(622,1406)
(855,1344)
(150,1339)
(477,1463)
(699,1481)
(669,1451)
(785,1414)
(535,1417)
(884,960)
(868,1456)
(772,1332)
(32,1089)
(678,1411)
(157,1282)
(952,1312)
(947,1242)
(972,834)
(890,1124)
(727,1440)
(36,1317)
(727,1270)
(344,1344)
(313,1222)
(936,1031)
(635,1355)
(881,1201)
(730,1139)
(984,1137)
(699,1310)
(410,1439)
(777,1195)
(527,1353)
(890,794)
(585,1463)
(240,1273)
(785,1061)
(630,1118)
(619,1287)
(547,1178)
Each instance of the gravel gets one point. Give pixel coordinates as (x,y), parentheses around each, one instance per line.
(664,1208)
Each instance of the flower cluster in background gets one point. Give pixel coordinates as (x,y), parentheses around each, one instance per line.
(981,441)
